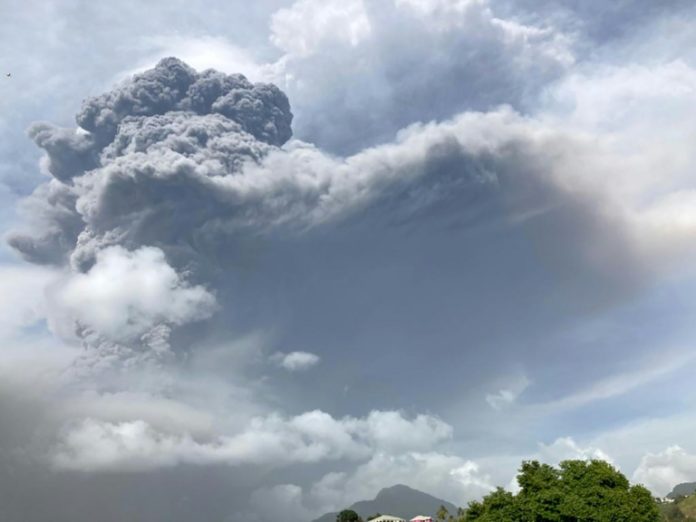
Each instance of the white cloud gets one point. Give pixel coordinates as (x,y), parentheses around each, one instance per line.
(391,431)
(307,25)
(446,476)
(362,58)
(660,472)
(315,436)
(504,468)
(295,361)
(429,7)
(471,477)
(625,98)
(565,448)
(201,52)
(23,296)
(125,294)
(651,434)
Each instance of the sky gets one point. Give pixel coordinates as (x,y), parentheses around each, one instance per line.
(263,259)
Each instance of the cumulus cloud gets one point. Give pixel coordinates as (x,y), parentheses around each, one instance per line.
(22,288)
(295,361)
(451,477)
(481,61)
(272,441)
(663,470)
(124,294)
(565,448)
(307,25)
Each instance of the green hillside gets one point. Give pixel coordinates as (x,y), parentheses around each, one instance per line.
(688,507)
(682,509)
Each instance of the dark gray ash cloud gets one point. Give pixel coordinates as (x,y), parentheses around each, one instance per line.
(191,164)
(151,131)
(261,110)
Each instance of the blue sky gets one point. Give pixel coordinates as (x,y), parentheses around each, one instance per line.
(476,248)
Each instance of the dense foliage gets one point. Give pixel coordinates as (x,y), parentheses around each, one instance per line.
(348,515)
(577,491)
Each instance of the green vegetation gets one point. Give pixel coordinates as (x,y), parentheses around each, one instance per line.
(683,509)
(348,515)
(443,515)
(688,507)
(577,491)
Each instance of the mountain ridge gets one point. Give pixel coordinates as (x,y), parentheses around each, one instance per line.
(682,490)
(398,500)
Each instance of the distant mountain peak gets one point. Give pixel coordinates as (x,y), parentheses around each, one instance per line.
(399,500)
(683,490)
(397,489)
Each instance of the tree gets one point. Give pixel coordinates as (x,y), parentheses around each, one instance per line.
(442,513)
(498,506)
(577,491)
(348,515)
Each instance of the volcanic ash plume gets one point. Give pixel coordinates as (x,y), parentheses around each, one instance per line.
(161,141)
(135,196)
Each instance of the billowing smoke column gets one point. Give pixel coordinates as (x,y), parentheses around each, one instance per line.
(135,197)
(141,168)
(185,162)
(170,173)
